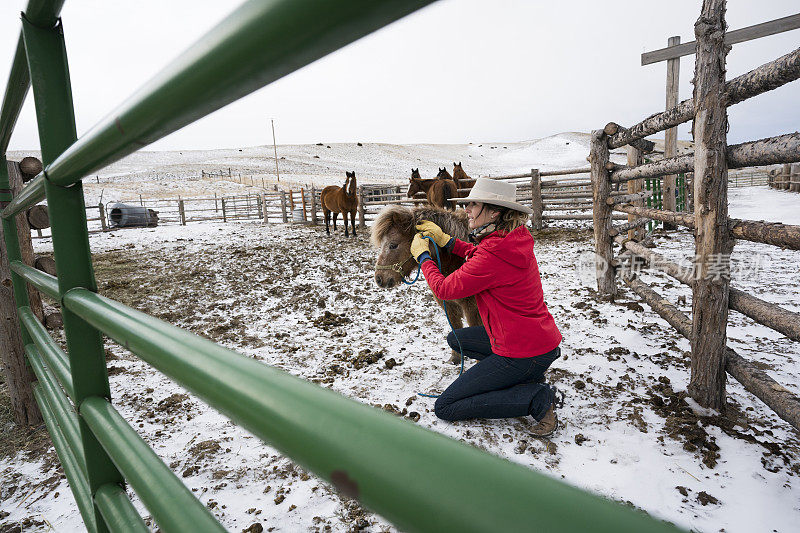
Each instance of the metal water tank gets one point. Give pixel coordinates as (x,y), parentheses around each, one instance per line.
(127,216)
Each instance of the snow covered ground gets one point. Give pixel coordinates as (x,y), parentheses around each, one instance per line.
(629,434)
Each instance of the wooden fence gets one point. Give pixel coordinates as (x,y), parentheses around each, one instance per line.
(785,179)
(565,198)
(715,232)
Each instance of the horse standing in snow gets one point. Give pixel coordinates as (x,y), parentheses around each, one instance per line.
(392,233)
(437,190)
(459,176)
(340,200)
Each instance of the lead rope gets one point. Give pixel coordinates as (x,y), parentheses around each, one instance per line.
(444,304)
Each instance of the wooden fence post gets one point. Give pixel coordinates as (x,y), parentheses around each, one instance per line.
(671,134)
(283,207)
(260,206)
(291,201)
(635,158)
(536,199)
(713,243)
(101,208)
(182,212)
(18,374)
(601,215)
(216,207)
(264,208)
(313,206)
(224,214)
(303,198)
(362,216)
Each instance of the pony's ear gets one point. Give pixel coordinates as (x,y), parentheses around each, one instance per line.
(459,163)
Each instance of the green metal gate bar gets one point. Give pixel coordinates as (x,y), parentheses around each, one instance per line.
(420,480)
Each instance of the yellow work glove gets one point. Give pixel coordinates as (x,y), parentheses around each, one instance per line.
(429,229)
(419,246)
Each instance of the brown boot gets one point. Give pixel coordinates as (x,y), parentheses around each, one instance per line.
(547,425)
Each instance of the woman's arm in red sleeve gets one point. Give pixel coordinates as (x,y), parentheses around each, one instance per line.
(461,248)
(474,276)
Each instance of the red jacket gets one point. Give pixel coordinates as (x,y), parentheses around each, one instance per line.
(502,273)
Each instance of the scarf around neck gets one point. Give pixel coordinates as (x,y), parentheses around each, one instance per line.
(476,235)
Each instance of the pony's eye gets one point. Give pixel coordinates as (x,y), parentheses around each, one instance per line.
(392,246)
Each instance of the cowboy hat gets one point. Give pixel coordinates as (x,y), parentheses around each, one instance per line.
(493,192)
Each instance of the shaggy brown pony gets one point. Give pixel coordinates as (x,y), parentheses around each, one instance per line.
(438,190)
(392,233)
(340,200)
(458,177)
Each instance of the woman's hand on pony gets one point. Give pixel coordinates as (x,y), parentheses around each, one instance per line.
(419,246)
(429,229)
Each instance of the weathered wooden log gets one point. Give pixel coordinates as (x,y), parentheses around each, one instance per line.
(568,182)
(765,313)
(765,78)
(616,230)
(769,151)
(52,317)
(775,396)
(774,233)
(611,129)
(18,375)
(24,237)
(38,217)
(635,158)
(45,264)
(601,214)
(578,217)
(564,195)
(785,404)
(639,143)
(30,167)
(713,243)
(566,171)
(628,198)
(576,207)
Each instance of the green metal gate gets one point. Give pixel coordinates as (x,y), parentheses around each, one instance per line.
(416,478)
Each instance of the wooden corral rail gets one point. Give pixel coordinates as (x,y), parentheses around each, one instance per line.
(787,178)
(571,194)
(715,232)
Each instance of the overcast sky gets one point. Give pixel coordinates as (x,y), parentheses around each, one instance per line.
(457,71)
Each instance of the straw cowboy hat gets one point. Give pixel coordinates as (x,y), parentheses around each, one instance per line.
(489,191)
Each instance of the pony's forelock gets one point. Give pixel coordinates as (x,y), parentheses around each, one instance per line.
(404,219)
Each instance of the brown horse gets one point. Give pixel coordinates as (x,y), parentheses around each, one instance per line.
(392,233)
(340,200)
(438,190)
(459,176)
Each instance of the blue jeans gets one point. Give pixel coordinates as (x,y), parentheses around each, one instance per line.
(497,386)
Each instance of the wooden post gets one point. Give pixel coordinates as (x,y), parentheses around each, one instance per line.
(102,211)
(635,158)
(601,215)
(182,212)
(260,205)
(713,243)
(18,374)
(794,178)
(264,208)
(224,214)
(283,207)
(671,134)
(291,201)
(362,216)
(303,198)
(216,207)
(313,206)
(536,199)
(141,202)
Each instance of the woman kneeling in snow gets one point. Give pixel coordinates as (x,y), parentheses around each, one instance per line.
(519,339)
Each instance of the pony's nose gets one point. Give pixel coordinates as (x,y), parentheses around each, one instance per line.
(379,280)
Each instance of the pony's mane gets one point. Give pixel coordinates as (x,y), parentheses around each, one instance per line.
(404,219)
